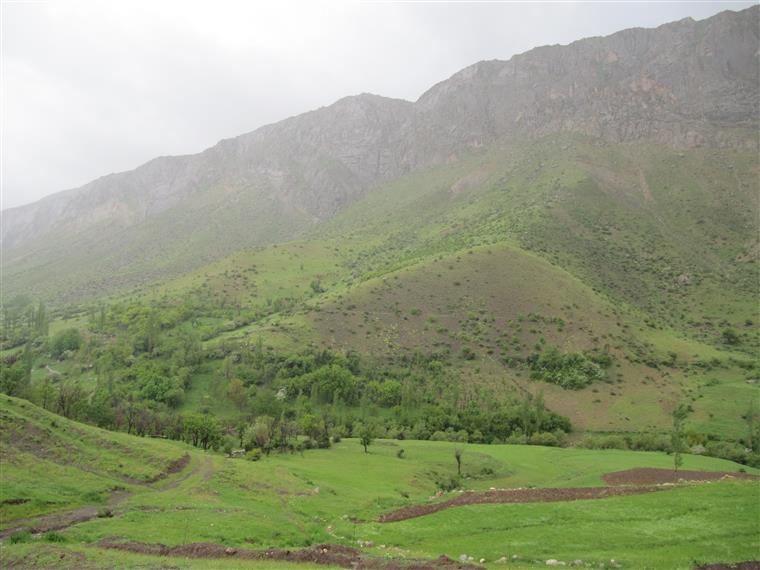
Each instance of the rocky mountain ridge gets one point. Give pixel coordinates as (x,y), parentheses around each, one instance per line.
(686,83)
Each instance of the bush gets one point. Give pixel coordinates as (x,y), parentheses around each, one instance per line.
(727,450)
(65,340)
(53,537)
(447,482)
(228,446)
(570,370)
(604,442)
(19,537)
(730,336)
(253,455)
(544,438)
(460,436)
(649,442)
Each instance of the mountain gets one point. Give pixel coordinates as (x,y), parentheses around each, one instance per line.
(683,85)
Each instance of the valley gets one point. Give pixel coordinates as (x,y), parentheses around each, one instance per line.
(511,324)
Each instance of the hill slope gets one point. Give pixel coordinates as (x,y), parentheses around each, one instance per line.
(216,509)
(682,84)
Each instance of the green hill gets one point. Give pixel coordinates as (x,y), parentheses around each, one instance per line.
(336,495)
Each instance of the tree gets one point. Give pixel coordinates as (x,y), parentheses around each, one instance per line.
(676,436)
(12,378)
(237,393)
(68,339)
(753,427)
(41,324)
(312,426)
(458,456)
(366,435)
(261,433)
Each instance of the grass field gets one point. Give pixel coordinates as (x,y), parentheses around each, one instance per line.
(335,495)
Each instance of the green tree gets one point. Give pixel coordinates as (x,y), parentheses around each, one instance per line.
(237,393)
(312,426)
(41,323)
(676,435)
(366,435)
(753,427)
(458,456)
(67,339)
(260,434)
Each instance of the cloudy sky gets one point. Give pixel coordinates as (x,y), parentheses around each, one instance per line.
(90,88)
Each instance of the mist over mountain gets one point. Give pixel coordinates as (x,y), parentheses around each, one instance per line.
(684,84)
(533,291)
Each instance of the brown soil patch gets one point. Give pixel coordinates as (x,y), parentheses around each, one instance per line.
(652,476)
(326,554)
(58,521)
(516,496)
(748,565)
(42,555)
(174,467)
(14,501)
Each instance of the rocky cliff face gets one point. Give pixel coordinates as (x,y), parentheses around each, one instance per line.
(685,83)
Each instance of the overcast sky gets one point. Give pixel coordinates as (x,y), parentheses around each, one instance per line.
(90,88)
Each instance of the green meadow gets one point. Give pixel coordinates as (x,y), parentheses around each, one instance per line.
(336,496)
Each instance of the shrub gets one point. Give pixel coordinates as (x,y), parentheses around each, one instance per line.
(19,537)
(544,438)
(727,450)
(571,370)
(253,455)
(53,537)
(447,482)
(730,336)
(65,340)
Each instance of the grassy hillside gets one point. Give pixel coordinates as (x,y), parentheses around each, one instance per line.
(52,464)
(640,254)
(643,251)
(336,496)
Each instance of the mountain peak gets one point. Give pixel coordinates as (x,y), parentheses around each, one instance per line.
(683,84)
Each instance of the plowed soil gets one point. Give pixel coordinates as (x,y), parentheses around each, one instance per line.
(516,496)
(748,565)
(327,554)
(651,476)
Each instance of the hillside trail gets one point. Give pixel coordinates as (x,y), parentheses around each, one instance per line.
(65,519)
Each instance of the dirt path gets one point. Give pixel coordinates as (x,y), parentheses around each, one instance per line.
(516,496)
(65,519)
(652,476)
(207,465)
(326,554)
(58,521)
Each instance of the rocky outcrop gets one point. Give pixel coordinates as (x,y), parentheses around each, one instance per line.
(686,83)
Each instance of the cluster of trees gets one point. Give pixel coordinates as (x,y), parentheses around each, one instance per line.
(571,370)
(145,357)
(22,321)
(681,440)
